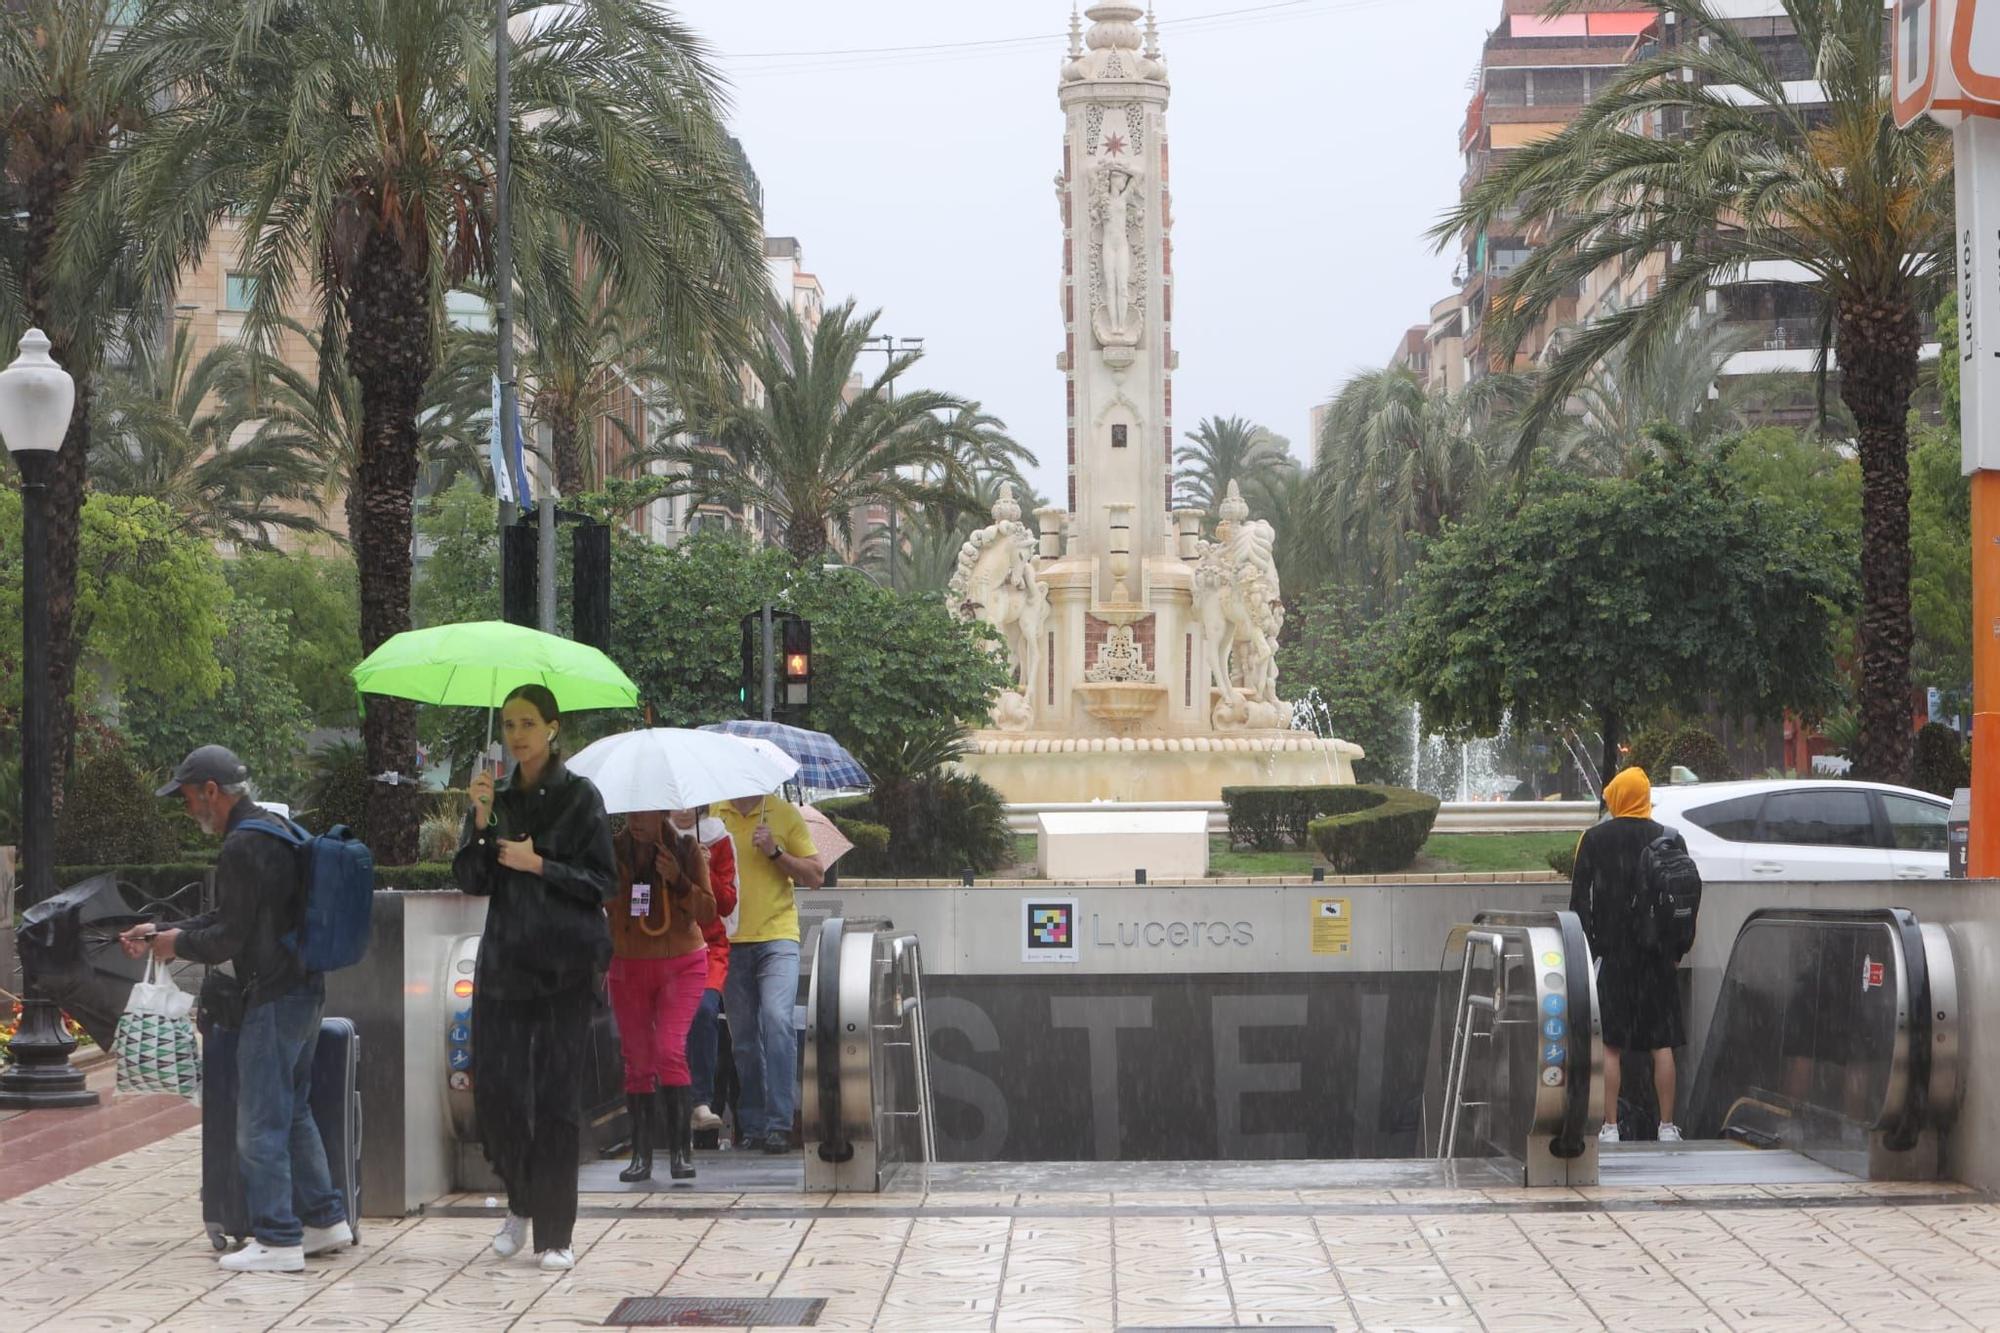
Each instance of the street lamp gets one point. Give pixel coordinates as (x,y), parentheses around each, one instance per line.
(883,342)
(36,397)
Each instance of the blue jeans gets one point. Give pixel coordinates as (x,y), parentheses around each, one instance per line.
(762,989)
(285,1178)
(701,1048)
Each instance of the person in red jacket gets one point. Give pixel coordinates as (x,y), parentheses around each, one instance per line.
(702,1043)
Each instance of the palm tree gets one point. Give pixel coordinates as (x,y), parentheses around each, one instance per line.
(65,97)
(1865,208)
(933,537)
(583,349)
(810,456)
(1227,449)
(1677,385)
(1397,460)
(356,141)
(164,429)
(320,416)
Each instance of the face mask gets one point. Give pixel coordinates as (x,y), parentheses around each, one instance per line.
(683,832)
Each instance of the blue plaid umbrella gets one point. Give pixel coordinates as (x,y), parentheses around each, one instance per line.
(823,761)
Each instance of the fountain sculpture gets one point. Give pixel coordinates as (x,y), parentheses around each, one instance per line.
(1144,655)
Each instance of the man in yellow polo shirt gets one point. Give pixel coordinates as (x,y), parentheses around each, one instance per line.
(774,852)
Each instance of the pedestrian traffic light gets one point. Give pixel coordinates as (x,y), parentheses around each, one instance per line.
(798,662)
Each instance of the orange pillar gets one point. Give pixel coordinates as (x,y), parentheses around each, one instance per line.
(1983,859)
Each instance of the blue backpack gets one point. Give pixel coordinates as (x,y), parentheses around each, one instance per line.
(338,872)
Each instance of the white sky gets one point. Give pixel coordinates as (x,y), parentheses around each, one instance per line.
(1313,144)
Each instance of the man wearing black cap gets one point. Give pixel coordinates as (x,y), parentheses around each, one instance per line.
(258,892)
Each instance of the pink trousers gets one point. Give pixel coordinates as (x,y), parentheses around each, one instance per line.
(654,1001)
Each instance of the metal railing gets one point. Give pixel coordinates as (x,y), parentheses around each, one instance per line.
(867,1110)
(1517,989)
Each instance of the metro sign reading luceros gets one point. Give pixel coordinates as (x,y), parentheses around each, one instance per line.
(1947,59)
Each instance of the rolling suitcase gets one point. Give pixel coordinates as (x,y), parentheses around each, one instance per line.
(336,1108)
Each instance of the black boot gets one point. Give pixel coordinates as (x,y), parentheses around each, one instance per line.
(639,1110)
(677,1111)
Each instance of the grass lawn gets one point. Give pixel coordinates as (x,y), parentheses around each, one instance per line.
(1444,854)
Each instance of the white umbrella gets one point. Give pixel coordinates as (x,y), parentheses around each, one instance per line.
(672,768)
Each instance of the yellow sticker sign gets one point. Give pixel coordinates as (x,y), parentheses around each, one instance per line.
(1332,925)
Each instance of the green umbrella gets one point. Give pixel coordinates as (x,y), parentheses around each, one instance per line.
(477,665)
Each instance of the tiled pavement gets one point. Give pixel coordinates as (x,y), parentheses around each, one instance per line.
(119,1246)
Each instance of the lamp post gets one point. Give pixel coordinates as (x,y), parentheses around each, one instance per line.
(883,342)
(36,397)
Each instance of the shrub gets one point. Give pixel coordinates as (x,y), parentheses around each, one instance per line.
(337,790)
(110,814)
(1940,767)
(424,877)
(1563,860)
(437,836)
(155,883)
(937,825)
(1381,838)
(1268,818)
(1660,751)
(871,841)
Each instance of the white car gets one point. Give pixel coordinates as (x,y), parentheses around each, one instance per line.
(1785,829)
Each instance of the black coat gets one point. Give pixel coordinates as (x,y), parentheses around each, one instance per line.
(259,891)
(544,933)
(1604,887)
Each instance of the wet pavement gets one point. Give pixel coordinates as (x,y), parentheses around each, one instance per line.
(1341,1245)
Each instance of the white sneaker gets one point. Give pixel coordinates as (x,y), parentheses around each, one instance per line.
(257,1257)
(703,1118)
(1670,1132)
(1609,1134)
(511,1236)
(558,1261)
(325,1240)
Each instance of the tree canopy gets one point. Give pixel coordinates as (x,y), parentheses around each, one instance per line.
(1612,599)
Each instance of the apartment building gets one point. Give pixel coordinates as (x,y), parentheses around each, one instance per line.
(1536,72)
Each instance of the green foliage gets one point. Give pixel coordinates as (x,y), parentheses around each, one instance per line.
(1381,838)
(1940,561)
(1942,765)
(150,599)
(938,825)
(1270,818)
(1563,860)
(424,877)
(1341,662)
(1223,450)
(1657,753)
(256,712)
(337,789)
(109,813)
(317,599)
(870,857)
(1619,598)
(676,620)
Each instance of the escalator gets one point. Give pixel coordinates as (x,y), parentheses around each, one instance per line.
(1833,1048)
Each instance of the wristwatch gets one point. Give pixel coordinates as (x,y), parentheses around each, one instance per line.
(775,853)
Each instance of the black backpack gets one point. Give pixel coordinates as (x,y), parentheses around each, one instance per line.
(1669,896)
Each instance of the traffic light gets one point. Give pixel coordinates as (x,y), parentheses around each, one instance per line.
(797,641)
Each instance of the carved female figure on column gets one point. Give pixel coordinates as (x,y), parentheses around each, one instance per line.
(1117,191)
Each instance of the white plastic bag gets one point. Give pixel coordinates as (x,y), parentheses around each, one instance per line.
(156,1046)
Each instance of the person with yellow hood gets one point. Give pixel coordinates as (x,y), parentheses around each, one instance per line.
(1638,997)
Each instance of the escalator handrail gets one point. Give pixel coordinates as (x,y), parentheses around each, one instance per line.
(834,1144)
(906,960)
(1579,1032)
(1906,1109)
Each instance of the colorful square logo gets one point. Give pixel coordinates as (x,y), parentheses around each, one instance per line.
(1048,930)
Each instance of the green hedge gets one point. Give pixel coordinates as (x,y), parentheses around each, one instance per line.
(1659,751)
(1563,860)
(1941,765)
(940,825)
(1270,818)
(160,880)
(1380,837)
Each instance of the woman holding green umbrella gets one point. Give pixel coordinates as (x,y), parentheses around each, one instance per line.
(539,846)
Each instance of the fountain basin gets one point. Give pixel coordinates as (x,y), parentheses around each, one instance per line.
(1121,702)
(1042,769)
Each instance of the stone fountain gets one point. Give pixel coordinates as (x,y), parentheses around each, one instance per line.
(1144,654)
